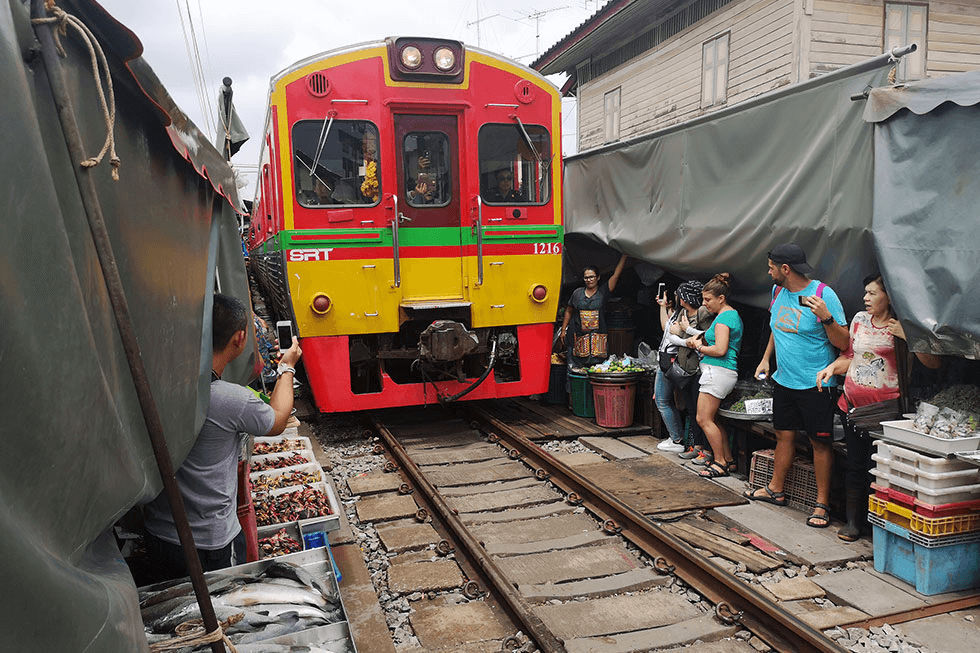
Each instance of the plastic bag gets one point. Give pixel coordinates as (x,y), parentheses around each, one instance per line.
(925,415)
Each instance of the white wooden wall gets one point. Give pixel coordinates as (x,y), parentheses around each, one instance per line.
(663,86)
(773,43)
(848,31)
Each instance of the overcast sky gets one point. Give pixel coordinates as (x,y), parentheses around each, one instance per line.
(250,40)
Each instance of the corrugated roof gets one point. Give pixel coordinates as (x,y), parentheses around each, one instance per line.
(584,29)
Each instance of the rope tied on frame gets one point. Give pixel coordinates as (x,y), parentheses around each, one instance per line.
(61,20)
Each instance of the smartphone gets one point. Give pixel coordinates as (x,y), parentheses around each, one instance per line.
(801,298)
(284,331)
(661,288)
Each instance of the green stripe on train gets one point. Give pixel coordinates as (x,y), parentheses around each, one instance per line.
(411,237)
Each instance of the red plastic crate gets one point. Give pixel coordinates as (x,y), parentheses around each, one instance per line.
(925,509)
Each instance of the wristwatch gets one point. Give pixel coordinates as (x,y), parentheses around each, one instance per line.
(830,318)
(283,368)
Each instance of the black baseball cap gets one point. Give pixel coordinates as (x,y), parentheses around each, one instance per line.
(792,255)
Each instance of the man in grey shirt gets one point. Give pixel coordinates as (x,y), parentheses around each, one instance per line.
(208,477)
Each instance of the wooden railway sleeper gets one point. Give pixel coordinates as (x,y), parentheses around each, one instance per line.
(474,553)
(772,623)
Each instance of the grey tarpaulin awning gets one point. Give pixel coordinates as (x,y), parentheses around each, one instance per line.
(75,454)
(927,208)
(717,193)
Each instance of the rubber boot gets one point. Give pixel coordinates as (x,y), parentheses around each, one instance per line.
(857,513)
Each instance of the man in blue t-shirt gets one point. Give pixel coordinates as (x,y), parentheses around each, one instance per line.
(808,323)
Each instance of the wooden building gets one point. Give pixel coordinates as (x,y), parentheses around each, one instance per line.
(639,65)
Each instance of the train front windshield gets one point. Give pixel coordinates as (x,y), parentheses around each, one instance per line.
(514,167)
(336,163)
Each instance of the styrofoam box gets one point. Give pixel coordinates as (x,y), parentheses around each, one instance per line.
(310,468)
(272,439)
(323,524)
(925,462)
(901,431)
(929,495)
(306,453)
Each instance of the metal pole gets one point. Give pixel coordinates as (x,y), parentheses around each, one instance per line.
(227,94)
(120,309)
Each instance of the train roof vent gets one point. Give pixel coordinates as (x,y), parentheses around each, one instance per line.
(317,84)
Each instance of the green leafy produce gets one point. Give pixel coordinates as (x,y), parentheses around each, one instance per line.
(962,398)
(739,406)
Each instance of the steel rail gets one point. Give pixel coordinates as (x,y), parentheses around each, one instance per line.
(515,604)
(743,604)
(120,310)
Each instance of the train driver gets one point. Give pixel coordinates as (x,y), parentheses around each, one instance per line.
(504,191)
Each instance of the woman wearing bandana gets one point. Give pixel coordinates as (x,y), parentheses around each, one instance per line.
(690,319)
(585,314)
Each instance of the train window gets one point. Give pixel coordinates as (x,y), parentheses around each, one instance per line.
(427,169)
(514,165)
(335,164)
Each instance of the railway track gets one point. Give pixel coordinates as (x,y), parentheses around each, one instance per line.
(468,508)
(513,514)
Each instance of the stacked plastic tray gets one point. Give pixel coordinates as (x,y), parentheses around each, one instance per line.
(925,512)
(310,533)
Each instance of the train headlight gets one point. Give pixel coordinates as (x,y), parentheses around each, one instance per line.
(320,304)
(538,293)
(411,57)
(445,59)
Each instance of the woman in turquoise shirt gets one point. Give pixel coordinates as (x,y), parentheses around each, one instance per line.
(721,343)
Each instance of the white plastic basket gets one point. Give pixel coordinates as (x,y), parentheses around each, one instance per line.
(929,480)
(925,462)
(901,431)
(273,439)
(310,468)
(306,453)
(930,495)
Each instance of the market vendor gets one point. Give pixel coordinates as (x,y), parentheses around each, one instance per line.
(585,314)
(207,478)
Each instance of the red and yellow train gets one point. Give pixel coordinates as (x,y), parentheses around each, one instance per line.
(408,219)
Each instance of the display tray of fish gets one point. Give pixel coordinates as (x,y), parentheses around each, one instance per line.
(291,504)
(277,444)
(286,604)
(274,479)
(280,461)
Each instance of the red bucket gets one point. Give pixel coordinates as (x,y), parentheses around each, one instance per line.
(614,402)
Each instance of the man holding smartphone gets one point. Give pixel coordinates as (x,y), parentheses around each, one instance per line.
(208,476)
(807,322)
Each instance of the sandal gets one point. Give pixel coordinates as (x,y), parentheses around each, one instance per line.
(824,519)
(775,498)
(732,467)
(714,469)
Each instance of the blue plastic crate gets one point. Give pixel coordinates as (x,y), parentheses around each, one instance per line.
(933,569)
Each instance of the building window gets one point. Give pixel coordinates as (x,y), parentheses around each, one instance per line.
(714,71)
(904,24)
(611,112)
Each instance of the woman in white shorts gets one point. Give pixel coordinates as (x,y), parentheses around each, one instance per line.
(719,373)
